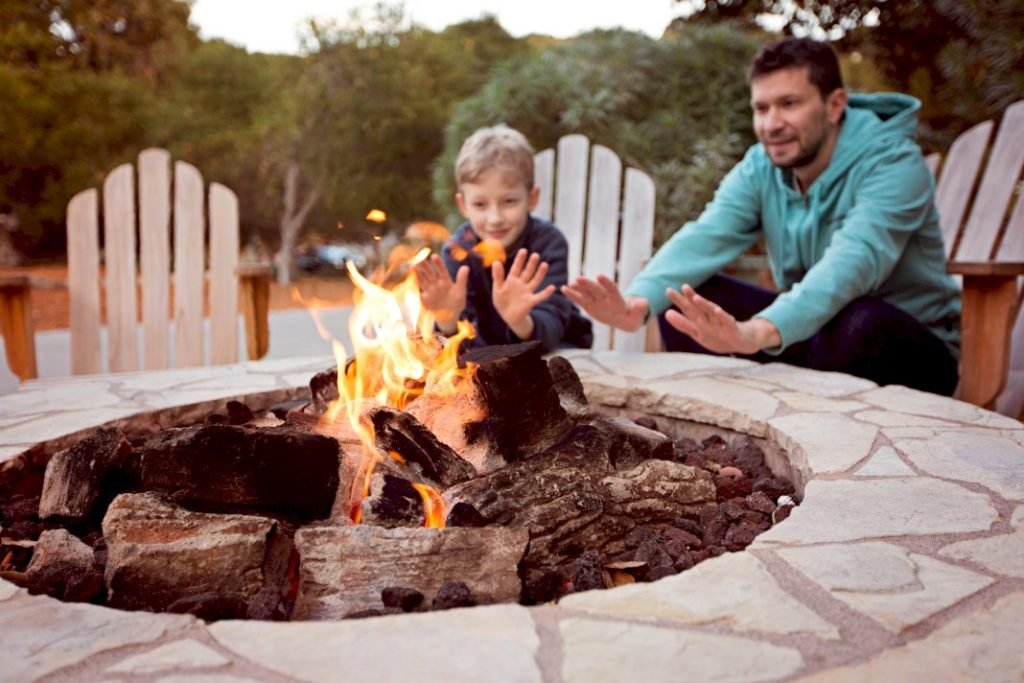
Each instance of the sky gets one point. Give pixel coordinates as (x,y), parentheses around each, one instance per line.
(275,25)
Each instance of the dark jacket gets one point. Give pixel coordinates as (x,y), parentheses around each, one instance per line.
(557,322)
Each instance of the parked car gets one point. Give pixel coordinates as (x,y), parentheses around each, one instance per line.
(327,257)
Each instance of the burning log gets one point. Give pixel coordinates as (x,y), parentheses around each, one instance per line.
(392,502)
(404,434)
(570,497)
(79,477)
(509,412)
(344,569)
(161,557)
(239,469)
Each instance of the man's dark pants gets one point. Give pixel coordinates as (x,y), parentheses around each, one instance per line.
(869,338)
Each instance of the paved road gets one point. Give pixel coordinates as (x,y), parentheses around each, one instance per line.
(292,333)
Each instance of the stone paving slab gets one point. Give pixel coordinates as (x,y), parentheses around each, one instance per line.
(902,562)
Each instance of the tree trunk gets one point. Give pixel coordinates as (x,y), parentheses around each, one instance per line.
(292,221)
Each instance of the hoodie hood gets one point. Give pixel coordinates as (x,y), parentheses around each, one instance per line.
(872,121)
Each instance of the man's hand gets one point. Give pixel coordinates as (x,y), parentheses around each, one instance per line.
(715,329)
(603,302)
(515,296)
(439,295)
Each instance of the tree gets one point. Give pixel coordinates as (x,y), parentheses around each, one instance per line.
(962,58)
(677,108)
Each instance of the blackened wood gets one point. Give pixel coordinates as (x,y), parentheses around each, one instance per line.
(524,412)
(227,468)
(568,386)
(323,387)
(571,498)
(632,444)
(401,432)
(392,502)
(464,514)
(86,476)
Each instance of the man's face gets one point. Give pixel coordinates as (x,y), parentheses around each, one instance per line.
(497,206)
(791,118)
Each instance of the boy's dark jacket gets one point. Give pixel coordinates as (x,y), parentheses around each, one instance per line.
(556,321)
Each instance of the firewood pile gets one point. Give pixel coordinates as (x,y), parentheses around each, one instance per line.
(511,490)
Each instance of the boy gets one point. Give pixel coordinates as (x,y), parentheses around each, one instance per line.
(518,297)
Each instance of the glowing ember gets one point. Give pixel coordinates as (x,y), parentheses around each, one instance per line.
(395,356)
(376,216)
(489,251)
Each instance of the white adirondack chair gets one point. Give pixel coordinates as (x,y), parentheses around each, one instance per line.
(125,273)
(155,257)
(985,248)
(608,223)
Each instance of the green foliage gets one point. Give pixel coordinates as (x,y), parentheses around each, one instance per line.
(677,108)
(376,99)
(964,59)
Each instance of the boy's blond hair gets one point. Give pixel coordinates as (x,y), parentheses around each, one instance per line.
(500,147)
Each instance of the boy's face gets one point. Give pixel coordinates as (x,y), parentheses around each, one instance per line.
(497,206)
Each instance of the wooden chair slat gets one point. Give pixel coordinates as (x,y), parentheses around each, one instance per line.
(84,282)
(119,260)
(959,174)
(224,249)
(570,195)
(155,254)
(189,265)
(1012,246)
(635,245)
(544,178)
(997,185)
(602,231)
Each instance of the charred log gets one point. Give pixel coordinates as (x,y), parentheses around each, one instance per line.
(81,480)
(571,498)
(244,469)
(401,432)
(568,386)
(524,413)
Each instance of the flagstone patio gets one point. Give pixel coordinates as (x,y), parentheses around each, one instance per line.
(905,560)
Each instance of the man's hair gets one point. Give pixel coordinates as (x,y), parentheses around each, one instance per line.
(819,58)
(500,147)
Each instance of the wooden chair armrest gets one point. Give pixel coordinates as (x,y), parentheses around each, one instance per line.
(990,302)
(254,294)
(16,325)
(984,268)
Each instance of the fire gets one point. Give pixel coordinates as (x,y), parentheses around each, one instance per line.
(433,506)
(489,251)
(395,356)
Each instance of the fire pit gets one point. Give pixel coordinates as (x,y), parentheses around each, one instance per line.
(903,556)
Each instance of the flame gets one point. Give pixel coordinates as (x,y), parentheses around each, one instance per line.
(490,251)
(376,216)
(395,356)
(433,506)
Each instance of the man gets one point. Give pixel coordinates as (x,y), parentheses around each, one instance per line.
(841,194)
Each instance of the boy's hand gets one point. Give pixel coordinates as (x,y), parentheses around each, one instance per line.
(514,296)
(439,295)
(604,303)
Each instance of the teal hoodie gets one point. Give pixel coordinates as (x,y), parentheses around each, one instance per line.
(867,226)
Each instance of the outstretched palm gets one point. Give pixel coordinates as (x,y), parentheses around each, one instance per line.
(441,296)
(604,303)
(515,295)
